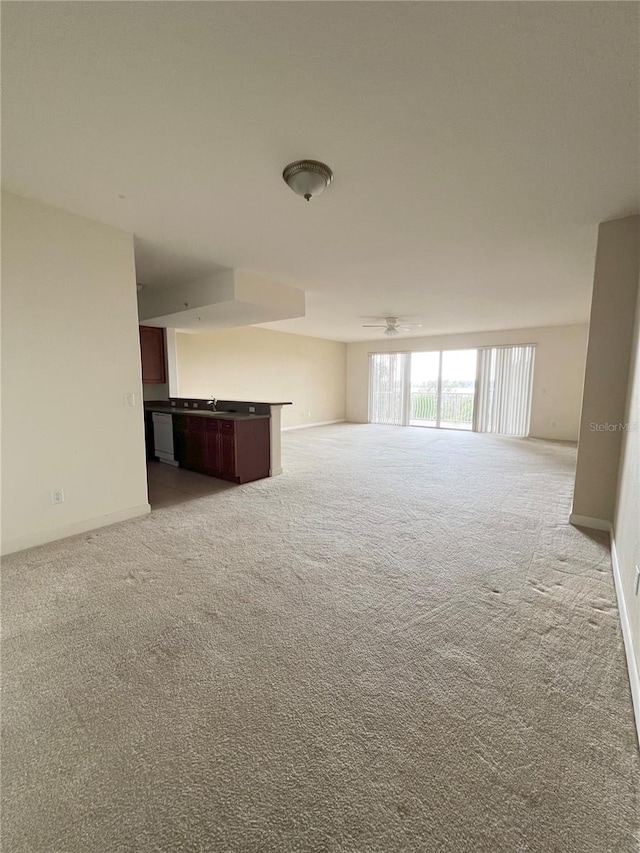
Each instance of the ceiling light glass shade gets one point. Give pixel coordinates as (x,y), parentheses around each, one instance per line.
(391,332)
(307,178)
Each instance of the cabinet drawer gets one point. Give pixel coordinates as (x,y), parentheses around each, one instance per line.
(211,425)
(227,426)
(195,424)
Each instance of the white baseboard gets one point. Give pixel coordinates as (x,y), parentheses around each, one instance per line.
(307,426)
(20,543)
(632,663)
(587,521)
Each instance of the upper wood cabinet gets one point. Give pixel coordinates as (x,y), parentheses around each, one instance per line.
(152,350)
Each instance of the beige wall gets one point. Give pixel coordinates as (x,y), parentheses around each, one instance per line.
(557,382)
(626,527)
(613,304)
(259,364)
(69,327)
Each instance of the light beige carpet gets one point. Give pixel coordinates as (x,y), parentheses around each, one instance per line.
(398,645)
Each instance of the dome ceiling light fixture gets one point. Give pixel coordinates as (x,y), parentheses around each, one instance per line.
(307,178)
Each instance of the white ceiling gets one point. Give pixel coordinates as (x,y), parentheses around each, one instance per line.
(475,146)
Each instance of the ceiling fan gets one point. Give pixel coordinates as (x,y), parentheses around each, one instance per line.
(393,326)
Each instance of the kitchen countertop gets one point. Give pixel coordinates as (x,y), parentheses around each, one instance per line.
(204,413)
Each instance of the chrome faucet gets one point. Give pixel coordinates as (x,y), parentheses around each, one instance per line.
(213,403)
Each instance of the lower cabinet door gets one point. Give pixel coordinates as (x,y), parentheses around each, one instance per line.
(179,440)
(227,454)
(195,451)
(211,452)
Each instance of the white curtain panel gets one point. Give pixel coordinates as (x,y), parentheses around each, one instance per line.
(388,388)
(503,392)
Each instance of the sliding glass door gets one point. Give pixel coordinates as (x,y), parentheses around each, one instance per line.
(425,389)
(486,390)
(430,389)
(458,388)
(443,386)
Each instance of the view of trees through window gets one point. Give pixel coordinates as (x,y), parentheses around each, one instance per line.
(452,374)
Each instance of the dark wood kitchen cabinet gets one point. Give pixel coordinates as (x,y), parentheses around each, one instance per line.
(227,455)
(211,450)
(152,353)
(195,451)
(221,459)
(180,439)
(236,450)
(189,442)
(148,435)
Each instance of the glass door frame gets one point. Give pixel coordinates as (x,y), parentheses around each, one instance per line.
(438,417)
(439,392)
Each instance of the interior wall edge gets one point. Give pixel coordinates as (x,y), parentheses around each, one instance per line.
(627,636)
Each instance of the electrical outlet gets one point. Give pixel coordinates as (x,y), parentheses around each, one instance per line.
(130,399)
(637,579)
(57,496)
(252,408)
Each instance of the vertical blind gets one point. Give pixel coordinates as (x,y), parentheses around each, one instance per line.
(389,388)
(503,395)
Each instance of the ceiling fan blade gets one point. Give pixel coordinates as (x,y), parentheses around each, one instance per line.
(375,327)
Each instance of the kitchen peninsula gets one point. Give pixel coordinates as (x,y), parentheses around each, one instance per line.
(235,440)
